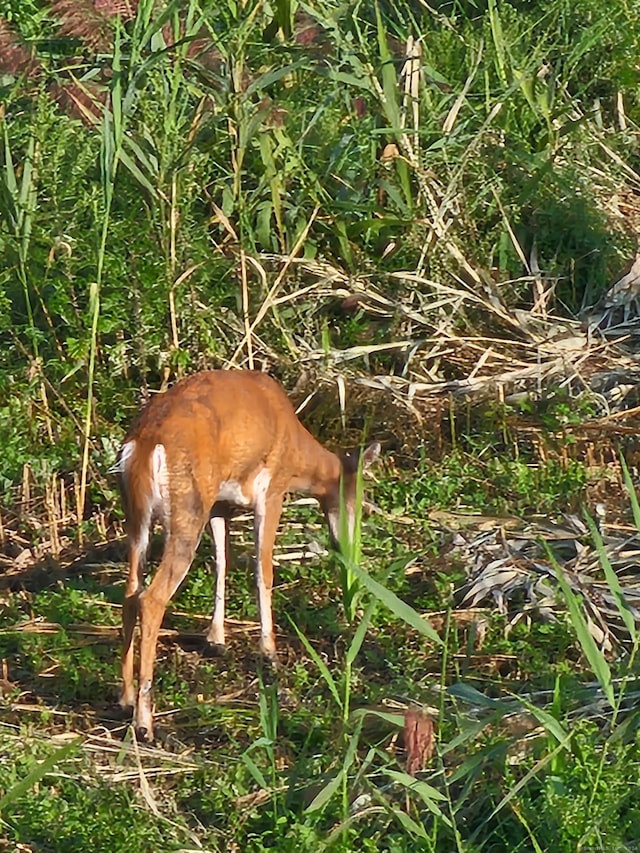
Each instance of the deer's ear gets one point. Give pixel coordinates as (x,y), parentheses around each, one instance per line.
(370,454)
(351,459)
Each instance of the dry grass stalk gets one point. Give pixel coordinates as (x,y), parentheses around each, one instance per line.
(126,9)
(410,77)
(268,301)
(25,491)
(53,514)
(80,100)
(509,569)
(77,495)
(245,306)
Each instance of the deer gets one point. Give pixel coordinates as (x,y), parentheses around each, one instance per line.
(217,442)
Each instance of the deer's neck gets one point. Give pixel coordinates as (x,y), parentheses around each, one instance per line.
(318,469)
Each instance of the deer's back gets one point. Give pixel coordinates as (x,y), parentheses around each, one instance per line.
(227,421)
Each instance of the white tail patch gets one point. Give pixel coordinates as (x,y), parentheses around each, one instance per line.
(161,505)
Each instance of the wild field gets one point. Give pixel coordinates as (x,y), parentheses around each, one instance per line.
(417,217)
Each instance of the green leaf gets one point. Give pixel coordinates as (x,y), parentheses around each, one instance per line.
(427,792)
(334,784)
(350,79)
(19,789)
(472,696)
(325,794)
(387,716)
(143,37)
(270,77)
(498,41)
(550,723)
(398,607)
(624,609)
(324,670)
(130,164)
(633,497)
(361,631)
(388,71)
(412,826)
(429,795)
(255,771)
(546,759)
(594,655)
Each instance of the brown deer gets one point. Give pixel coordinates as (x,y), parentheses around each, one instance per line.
(215,442)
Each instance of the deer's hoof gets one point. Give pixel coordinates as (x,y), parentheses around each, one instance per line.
(213,650)
(143,734)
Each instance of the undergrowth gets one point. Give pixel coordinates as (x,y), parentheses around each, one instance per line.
(374,191)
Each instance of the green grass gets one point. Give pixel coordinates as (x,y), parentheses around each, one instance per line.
(268,762)
(486,483)
(258,166)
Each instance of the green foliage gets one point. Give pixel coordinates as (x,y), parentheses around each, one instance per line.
(484,482)
(150,185)
(290,767)
(75,813)
(568,811)
(227,130)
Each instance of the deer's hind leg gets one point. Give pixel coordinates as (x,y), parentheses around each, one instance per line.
(267,517)
(179,551)
(135,583)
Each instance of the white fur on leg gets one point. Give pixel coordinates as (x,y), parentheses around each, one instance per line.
(215,635)
(267,638)
(143,721)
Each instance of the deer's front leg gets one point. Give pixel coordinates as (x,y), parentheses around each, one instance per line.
(220,531)
(266,520)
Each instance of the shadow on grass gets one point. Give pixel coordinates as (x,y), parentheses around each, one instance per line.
(60,641)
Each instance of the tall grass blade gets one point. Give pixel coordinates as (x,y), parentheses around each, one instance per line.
(112,135)
(145,28)
(498,42)
(19,789)
(361,632)
(408,823)
(593,654)
(130,164)
(323,668)
(550,723)
(8,185)
(255,771)
(631,491)
(26,198)
(337,781)
(388,72)
(522,783)
(391,104)
(429,795)
(624,609)
(398,607)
